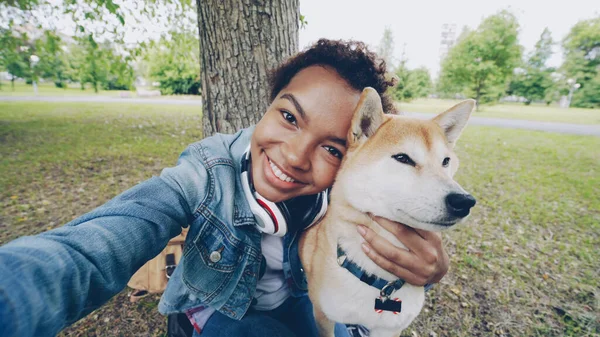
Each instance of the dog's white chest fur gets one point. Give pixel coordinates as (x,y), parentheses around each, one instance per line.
(345,298)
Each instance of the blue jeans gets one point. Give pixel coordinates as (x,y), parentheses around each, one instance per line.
(293,318)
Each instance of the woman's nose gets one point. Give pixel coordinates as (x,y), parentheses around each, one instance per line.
(297,154)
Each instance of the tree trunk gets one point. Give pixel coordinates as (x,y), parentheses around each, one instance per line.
(12,82)
(240,41)
(478,89)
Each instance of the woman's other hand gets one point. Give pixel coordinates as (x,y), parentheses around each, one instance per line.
(424,262)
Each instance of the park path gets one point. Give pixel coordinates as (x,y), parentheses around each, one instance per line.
(577,129)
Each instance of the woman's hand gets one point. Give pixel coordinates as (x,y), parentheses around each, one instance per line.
(425,261)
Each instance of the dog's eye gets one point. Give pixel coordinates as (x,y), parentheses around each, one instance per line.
(404,159)
(446,162)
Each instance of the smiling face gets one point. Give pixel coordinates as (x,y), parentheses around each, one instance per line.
(298,145)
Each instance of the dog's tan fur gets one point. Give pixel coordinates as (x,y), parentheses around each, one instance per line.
(372,137)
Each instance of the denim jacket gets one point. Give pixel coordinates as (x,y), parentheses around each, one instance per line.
(50,280)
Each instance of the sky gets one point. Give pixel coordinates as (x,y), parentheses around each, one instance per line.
(417,25)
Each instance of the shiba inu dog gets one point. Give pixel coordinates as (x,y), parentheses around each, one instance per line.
(398,168)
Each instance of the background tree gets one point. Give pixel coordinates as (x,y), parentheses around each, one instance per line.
(52,59)
(120,74)
(385,49)
(412,84)
(534,80)
(419,83)
(76,65)
(482,61)
(582,61)
(95,66)
(400,90)
(13,57)
(174,62)
(239,43)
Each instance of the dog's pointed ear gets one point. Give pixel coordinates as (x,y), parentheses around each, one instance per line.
(454,120)
(368,116)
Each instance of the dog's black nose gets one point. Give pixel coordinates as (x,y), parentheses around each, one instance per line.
(459,204)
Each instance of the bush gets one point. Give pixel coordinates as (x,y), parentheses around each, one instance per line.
(173,61)
(180,86)
(60,84)
(115,84)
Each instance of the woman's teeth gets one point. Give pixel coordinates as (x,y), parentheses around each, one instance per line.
(279,174)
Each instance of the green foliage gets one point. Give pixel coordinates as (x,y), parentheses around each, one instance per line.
(582,60)
(100,65)
(412,84)
(52,64)
(303,21)
(88,64)
(419,84)
(101,18)
(482,61)
(588,96)
(120,73)
(22,4)
(14,54)
(174,62)
(534,80)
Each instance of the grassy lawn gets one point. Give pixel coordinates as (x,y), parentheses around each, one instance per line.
(511,111)
(49,89)
(524,264)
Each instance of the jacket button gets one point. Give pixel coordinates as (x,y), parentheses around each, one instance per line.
(215,256)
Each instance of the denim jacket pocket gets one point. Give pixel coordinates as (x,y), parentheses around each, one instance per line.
(211,260)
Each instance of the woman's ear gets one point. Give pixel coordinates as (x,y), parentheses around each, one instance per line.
(368,116)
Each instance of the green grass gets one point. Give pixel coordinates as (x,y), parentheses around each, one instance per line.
(530,249)
(69,157)
(533,112)
(524,264)
(49,89)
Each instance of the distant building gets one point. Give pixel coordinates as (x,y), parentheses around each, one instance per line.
(448,38)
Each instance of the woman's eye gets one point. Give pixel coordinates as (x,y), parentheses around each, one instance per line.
(334,152)
(288,117)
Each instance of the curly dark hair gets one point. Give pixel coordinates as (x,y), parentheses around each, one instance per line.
(351,59)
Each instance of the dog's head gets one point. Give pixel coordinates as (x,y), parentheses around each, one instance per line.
(402,168)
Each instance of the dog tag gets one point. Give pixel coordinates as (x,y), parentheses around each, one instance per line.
(394,305)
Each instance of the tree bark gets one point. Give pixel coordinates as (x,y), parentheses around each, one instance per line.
(240,41)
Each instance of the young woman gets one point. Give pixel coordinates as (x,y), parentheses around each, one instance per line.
(235,278)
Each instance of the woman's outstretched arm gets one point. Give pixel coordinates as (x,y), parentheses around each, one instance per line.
(50,280)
